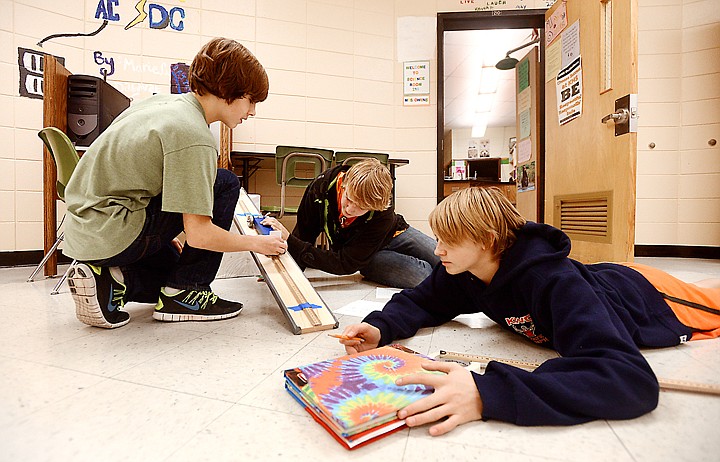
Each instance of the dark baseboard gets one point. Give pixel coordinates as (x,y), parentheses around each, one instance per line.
(28,258)
(679,251)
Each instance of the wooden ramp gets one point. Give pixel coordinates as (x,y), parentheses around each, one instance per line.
(297,298)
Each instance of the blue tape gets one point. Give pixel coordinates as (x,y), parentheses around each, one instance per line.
(261,229)
(303,306)
(257,219)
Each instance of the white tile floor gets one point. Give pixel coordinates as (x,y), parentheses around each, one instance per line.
(154,391)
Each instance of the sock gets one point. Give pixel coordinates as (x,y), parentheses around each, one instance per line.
(116,273)
(171,290)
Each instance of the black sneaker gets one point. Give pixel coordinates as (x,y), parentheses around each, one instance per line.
(98,296)
(194,305)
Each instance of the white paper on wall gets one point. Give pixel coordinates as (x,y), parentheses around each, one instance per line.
(416,38)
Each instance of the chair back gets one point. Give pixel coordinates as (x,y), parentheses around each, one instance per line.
(63,152)
(289,161)
(349,158)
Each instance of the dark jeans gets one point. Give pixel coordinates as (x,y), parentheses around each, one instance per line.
(152,262)
(405,262)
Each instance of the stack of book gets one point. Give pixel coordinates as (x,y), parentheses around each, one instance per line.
(354,397)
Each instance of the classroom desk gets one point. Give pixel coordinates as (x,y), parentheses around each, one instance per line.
(249,162)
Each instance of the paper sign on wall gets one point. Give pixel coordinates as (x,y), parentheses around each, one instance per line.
(553,60)
(416,81)
(524,124)
(524,150)
(523,74)
(570,44)
(555,23)
(524,100)
(568,87)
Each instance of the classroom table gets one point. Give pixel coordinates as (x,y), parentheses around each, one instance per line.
(249,163)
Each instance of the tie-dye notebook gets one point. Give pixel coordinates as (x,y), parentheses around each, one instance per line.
(353,395)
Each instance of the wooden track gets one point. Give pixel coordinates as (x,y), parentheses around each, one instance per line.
(297,298)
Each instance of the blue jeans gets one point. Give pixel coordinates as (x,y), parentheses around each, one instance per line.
(405,262)
(152,262)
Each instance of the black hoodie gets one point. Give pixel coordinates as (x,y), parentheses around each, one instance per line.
(352,247)
(594,316)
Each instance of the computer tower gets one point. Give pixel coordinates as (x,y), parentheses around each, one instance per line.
(92,105)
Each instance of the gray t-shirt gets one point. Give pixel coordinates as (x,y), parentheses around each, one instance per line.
(161,145)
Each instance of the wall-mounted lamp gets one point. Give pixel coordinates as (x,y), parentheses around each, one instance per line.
(507,62)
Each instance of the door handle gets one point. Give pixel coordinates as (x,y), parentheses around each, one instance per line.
(619,117)
(625,116)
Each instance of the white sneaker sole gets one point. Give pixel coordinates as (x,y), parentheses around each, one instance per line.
(82,287)
(170,317)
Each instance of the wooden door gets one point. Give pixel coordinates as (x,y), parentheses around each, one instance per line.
(528,168)
(590,172)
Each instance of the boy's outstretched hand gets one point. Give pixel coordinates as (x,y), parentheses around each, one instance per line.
(275,224)
(456,397)
(370,336)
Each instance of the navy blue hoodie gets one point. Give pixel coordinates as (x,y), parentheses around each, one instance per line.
(594,316)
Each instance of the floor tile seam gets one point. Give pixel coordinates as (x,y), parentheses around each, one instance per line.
(157,355)
(620,440)
(200,431)
(170,390)
(106,378)
(73,395)
(278,370)
(688,354)
(483,445)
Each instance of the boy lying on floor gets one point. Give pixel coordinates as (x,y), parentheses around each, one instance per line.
(518,274)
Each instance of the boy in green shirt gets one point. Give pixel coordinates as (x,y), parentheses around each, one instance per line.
(151,175)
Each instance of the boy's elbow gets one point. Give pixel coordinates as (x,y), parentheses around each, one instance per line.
(651,397)
(196,240)
(644,400)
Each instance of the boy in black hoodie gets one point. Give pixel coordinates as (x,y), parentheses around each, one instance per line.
(518,273)
(351,206)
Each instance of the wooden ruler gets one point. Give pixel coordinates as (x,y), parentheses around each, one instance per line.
(300,303)
(666,384)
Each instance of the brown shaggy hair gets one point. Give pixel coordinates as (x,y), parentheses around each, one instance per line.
(226,69)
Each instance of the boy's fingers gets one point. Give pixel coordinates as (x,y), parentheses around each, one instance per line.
(445,426)
(441,366)
(428,409)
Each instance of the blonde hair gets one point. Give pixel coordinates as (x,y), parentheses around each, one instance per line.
(369,184)
(482,215)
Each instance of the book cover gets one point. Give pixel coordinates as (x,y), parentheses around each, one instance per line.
(352,441)
(354,393)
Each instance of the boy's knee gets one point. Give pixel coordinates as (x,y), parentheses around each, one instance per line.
(225,176)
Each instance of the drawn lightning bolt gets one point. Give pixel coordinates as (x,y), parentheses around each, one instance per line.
(140,7)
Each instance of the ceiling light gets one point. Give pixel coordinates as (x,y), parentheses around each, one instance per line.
(484,102)
(480,125)
(489,80)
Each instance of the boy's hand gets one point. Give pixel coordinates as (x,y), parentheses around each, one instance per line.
(276,225)
(177,245)
(269,245)
(456,397)
(370,334)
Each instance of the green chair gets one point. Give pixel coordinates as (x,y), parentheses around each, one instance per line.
(349,158)
(291,170)
(66,159)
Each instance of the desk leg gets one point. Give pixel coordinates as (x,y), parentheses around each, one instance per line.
(246,176)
